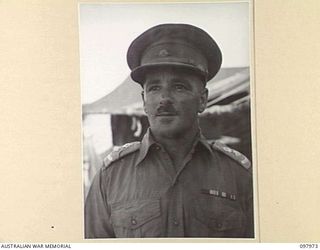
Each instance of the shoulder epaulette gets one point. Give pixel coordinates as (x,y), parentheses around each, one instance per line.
(120,152)
(235,155)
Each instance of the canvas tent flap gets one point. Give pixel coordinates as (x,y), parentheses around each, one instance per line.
(126,99)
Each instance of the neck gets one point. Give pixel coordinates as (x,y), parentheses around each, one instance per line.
(177,146)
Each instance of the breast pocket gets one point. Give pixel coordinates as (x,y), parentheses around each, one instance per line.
(140,218)
(219,217)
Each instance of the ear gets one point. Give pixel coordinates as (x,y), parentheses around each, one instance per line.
(143,100)
(203,100)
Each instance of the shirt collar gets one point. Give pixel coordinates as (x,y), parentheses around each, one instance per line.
(148,141)
(204,142)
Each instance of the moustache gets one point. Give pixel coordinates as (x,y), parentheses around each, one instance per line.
(166,110)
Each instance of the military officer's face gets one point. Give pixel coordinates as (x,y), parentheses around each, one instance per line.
(172,100)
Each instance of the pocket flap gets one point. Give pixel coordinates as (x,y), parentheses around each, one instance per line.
(216,221)
(134,214)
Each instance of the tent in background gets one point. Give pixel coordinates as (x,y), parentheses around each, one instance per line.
(126,98)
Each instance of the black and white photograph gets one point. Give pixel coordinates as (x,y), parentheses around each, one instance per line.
(167,121)
(134,123)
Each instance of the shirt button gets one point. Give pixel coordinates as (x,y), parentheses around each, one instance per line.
(219,225)
(133,222)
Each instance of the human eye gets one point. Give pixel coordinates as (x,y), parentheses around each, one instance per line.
(153,88)
(180,87)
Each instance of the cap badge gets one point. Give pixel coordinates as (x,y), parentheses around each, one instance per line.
(163,53)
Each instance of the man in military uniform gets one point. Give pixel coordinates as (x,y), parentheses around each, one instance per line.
(173,183)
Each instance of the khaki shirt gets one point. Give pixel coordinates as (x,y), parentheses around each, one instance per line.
(139,193)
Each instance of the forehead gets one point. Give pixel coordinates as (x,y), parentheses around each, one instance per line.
(173,73)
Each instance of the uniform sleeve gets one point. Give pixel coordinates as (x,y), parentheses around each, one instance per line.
(97,213)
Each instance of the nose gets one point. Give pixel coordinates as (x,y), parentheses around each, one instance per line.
(165,96)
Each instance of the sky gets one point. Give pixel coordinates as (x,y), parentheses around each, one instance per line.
(107,30)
